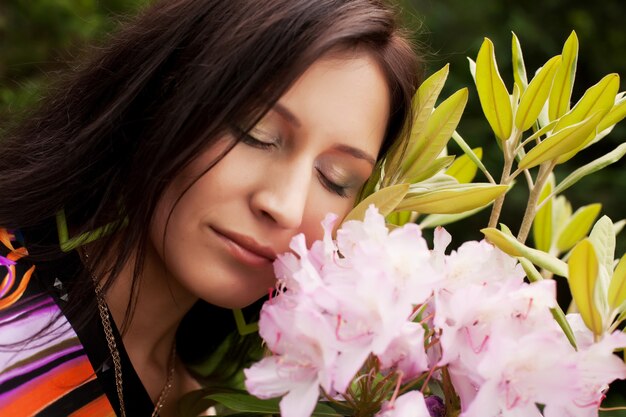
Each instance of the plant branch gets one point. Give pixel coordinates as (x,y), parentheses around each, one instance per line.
(529,180)
(504,179)
(531,208)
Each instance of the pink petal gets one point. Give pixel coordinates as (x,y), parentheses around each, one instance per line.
(301,400)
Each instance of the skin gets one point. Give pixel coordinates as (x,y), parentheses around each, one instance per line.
(324,132)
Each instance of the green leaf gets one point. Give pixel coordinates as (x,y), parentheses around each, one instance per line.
(438,181)
(468,151)
(602,237)
(493,95)
(439,127)
(324,410)
(564,79)
(598,98)
(578,226)
(604,95)
(543,119)
(583,273)
(519,69)
(423,105)
(399,218)
(507,243)
(542,225)
(245,403)
(427,94)
(372,182)
(514,98)
(558,314)
(472,67)
(193,403)
(434,167)
(503,241)
(559,317)
(596,165)
(615,115)
(434,220)
(386,199)
(618,226)
(463,169)
(67,243)
(451,200)
(562,211)
(617,289)
(544,130)
(536,94)
(243,327)
(560,143)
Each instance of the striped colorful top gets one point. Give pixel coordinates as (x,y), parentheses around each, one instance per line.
(48,367)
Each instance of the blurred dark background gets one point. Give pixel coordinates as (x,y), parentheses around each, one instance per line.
(41,38)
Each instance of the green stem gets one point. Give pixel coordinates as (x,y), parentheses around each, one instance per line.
(531,206)
(504,179)
(452,400)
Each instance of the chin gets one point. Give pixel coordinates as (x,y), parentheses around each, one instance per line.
(235,299)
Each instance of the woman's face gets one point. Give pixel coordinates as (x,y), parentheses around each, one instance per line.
(308,156)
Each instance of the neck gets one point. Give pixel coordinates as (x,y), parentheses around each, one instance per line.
(161,302)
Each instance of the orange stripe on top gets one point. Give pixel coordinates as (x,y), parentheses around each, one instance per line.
(21,288)
(100,407)
(35,395)
(6,238)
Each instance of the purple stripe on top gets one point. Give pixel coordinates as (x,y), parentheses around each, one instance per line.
(37,304)
(30,328)
(31,364)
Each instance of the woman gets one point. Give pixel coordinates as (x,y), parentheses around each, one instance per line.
(172,168)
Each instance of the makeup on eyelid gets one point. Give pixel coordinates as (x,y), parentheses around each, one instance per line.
(332,165)
(264,135)
(334,168)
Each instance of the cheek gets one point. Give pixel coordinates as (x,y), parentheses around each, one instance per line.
(187,196)
(160,219)
(317,208)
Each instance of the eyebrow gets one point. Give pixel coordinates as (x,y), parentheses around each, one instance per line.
(350,150)
(357,153)
(287,114)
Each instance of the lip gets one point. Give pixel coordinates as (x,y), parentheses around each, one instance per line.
(245,248)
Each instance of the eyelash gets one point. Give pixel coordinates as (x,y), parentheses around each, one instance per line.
(341,191)
(254,142)
(250,140)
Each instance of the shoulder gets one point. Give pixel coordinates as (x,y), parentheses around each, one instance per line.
(43,366)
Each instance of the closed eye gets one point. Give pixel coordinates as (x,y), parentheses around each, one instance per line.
(331,186)
(250,140)
(256,140)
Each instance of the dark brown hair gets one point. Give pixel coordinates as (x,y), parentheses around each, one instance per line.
(110,138)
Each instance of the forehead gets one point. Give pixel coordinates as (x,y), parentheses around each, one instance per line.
(344,96)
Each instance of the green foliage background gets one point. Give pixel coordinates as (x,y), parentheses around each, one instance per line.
(40,37)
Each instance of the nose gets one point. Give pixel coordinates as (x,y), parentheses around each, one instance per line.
(282,193)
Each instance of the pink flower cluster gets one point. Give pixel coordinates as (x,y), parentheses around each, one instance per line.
(375,293)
